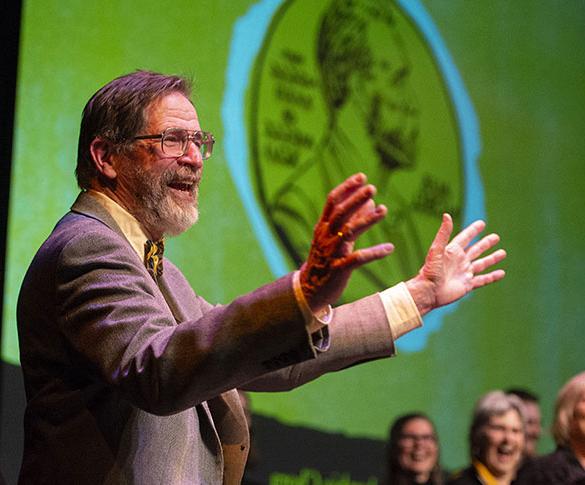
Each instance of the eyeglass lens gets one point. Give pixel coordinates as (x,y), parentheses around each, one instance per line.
(411,438)
(175,142)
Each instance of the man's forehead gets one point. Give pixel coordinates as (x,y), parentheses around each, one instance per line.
(532,408)
(172,110)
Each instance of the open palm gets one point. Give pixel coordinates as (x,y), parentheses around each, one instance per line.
(452,269)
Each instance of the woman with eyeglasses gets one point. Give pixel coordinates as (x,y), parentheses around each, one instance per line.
(412,455)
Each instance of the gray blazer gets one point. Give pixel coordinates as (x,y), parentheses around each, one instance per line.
(132,382)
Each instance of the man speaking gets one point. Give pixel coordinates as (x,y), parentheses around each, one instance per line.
(130,375)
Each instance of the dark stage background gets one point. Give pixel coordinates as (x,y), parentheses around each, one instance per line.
(11,388)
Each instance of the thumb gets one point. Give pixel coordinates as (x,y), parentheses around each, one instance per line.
(443,234)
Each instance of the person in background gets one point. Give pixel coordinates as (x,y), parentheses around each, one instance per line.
(533,419)
(496,440)
(412,455)
(566,465)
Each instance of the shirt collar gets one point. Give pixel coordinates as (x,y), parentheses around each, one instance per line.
(129,225)
(484,474)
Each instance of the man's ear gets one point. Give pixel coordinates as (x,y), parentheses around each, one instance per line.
(101,154)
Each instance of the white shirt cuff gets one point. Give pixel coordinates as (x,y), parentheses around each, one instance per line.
(401,311)
(314,321)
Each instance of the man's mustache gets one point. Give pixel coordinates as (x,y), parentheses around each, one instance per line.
(182,175)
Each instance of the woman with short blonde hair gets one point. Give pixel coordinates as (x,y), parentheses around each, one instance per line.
(566,465)
(567,399)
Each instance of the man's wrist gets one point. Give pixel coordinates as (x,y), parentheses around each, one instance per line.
(423,293)
(315,318)
(401,311)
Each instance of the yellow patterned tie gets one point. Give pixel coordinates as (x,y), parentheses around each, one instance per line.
(153,257)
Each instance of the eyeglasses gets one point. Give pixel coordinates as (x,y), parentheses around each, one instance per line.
(412,438)
(174,142)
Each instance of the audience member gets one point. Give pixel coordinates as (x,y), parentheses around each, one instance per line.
(533,419)
(566,465)
(413,452)
(496,439)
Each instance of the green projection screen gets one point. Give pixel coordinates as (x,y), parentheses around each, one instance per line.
(471,107)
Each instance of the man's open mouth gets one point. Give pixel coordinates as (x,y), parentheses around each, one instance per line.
(182,186)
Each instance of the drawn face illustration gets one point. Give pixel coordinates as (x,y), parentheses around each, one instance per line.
(357,92)
(391,111)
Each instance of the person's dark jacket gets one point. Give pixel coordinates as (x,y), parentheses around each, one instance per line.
(558,468)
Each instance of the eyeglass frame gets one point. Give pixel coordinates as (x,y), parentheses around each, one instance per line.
(207,139)
(423,438)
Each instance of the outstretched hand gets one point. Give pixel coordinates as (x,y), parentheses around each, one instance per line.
(452,269)
(349,211)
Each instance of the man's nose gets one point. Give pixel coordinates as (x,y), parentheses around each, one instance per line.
(192,155)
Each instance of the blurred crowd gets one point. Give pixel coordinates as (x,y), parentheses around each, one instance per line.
(504,432)
(503,435)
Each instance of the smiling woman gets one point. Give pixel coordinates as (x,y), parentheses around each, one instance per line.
(413,452)
(497,441)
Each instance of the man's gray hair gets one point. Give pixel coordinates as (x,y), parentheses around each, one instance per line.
(117,112)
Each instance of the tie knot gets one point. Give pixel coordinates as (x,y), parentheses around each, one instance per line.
(153,257)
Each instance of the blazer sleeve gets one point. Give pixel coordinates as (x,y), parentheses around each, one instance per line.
(118,325)
(359,332)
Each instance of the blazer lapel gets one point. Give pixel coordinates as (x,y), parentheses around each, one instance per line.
(173,304)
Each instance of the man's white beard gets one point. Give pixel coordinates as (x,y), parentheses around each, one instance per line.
(156,209)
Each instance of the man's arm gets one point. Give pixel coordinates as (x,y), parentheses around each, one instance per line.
(118,325)
(359,333)
(360,330)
